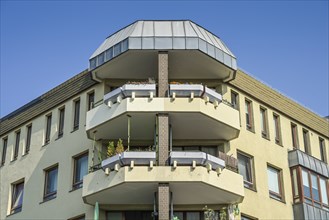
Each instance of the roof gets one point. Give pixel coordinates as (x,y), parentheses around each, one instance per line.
(280,103)
(47,101)
(163,35)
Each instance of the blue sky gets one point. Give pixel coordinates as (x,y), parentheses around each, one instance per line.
(282,43)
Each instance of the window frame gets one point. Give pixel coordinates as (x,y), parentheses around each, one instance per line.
(76,114)
(264,122)
(14,197)
(4,150)
(249,115)
(61,121)
(306,141)
(78,184)
(323,150)
(235,99)
(28,138)
(300,195)
(48,128)
(274,195)
(50,195)
(277,129)
(294,135)
(17,142)
(247,183)
(90,100)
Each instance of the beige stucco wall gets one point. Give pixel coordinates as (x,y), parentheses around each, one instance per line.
(31,166)
(265,151)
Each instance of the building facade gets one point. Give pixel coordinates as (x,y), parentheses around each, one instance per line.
(163,125)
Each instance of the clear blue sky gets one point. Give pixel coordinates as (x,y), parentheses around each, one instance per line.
(282,43)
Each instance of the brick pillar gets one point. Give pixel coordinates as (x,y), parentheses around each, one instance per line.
(163,123)
(163,201)
(162,73)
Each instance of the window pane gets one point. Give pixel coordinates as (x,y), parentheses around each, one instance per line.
(295,183)
(315,188)
(4,151)
(52,181)
(245,168)
(17,199)
(81,168)
(273,180)
(306,184)
(28,138)
(76,114)
(324,194)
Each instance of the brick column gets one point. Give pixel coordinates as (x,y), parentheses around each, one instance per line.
(164,201)
(162,73)
(163,123)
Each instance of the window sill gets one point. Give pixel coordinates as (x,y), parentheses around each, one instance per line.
(26,153)
(74,129)
(75,189)
(250,129)
(13,160)
(59,137)
(279,200)
(250,188)
(266,138)
(18,211)
(45,144)
(48,199)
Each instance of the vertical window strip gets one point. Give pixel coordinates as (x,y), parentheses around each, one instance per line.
(4,150)
(18,137)
(17,197)
(61,122)
(76,115)
(276,120)
(91,100)
(48,128)
(50,190)
(306,140)
(294,136)
(248,110)
(28,138)
(323,150)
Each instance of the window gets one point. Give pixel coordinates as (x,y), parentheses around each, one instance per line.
(61,122)
(306,139)
(48,129)
(16,149)
(50,190)
(277,129)
(76,117)
(323,150)
(80,169)
(263,122)
(274,183)
(245,165)
(294,136)
(17,197)
(91,100)
(235,99)
(314,190)
(80,217)
(249,117)
(4,151)
(28,138)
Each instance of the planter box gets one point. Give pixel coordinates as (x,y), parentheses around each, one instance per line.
(139,157)
(112,96)
(185,90)
(141,90)
(215,162)
(111,161)
(213,96)
(186,158)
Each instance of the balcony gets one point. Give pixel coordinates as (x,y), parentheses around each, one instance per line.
(192,178)
(195,112)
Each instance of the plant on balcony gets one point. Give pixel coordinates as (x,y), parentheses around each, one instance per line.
(120,148)
(110,149)
(209,214)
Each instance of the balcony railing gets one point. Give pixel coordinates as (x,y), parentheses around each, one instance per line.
(175,91)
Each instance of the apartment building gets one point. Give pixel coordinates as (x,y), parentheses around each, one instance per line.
(163,125)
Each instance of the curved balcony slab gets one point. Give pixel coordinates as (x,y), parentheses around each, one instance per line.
(189,119)
(137,186)
(187,158)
